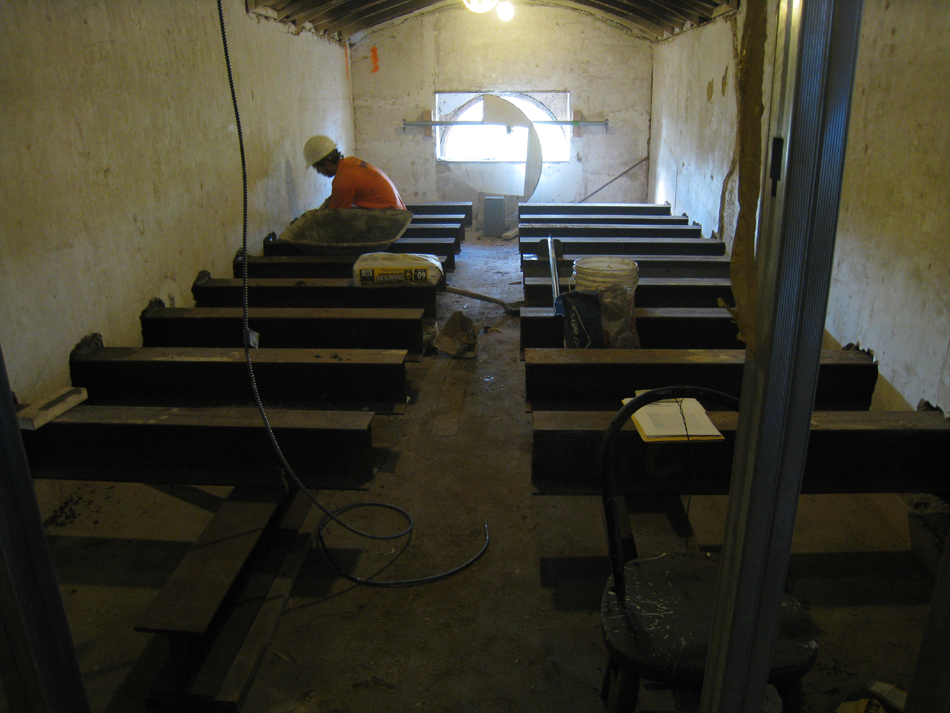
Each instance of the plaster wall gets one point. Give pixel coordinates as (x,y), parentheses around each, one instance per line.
(397,69)
(120,152)
(693,140)
(890,287)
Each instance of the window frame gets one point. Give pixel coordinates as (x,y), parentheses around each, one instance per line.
(450,105)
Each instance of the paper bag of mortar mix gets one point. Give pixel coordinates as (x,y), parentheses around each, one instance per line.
(388,269)
(458,337)
(876,697)
(598,318)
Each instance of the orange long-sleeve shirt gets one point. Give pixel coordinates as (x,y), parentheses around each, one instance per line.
(358,183)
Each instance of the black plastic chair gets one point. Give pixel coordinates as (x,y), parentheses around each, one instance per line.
(657,612)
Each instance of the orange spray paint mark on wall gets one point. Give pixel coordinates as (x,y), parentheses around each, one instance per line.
(374,55)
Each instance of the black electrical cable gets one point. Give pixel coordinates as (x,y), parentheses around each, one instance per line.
(250,340)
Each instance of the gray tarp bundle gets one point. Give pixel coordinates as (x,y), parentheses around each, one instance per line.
(355,231)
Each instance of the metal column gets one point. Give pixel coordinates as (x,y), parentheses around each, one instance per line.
(795,257)
(38,664)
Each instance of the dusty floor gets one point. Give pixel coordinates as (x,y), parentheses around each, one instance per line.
(517,631)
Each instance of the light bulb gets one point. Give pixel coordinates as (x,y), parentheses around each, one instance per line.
(506,10)
(480,5)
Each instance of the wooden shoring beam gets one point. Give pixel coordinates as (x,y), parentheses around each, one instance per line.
(419,229)
(463,207)
(585,246)
(310,266)
(525,209)
(310,292)
(339,379)
(604,219)
(594,379)
(203,446)
(301,327)
(659,265)
(650,291)
(848,452)
(600,230)
(658,328)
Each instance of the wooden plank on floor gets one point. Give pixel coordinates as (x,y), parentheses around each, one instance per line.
(192,597)
(203,446)
(32,416)
(848,452)
(578,379)
(228,670)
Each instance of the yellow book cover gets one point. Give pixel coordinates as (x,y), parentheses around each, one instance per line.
(674,420)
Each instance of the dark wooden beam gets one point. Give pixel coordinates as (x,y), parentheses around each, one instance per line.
(848,452)
(601,230)
(586,246)
(300,266)
(658,328)
(341,379)
(313,328)
(597,379)
(310,292)
(650,291)
(526,209)
(464,207)
(658,265)
(203,446)
(604,219)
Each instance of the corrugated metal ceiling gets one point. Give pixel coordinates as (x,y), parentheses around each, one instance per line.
(349,19)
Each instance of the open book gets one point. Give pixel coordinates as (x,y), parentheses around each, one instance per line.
(674,420)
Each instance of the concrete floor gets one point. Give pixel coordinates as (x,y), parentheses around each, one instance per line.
(517,631)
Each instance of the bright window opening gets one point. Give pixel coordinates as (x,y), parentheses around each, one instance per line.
(495,143)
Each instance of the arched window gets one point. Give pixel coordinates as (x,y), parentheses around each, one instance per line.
(496,143)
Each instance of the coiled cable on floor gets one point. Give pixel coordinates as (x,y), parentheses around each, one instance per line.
(250,341)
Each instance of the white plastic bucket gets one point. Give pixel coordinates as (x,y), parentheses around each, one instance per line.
(593,272)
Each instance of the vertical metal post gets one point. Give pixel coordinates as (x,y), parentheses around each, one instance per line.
(38,663)
(795,257)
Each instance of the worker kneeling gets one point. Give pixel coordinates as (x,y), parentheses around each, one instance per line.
(356,183)
(334,227)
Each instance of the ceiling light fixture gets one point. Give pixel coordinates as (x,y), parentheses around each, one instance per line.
(480,5)
(506,10)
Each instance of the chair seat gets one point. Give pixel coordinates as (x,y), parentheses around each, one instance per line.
(663,632)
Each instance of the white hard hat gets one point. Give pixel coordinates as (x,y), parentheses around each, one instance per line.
(317,148)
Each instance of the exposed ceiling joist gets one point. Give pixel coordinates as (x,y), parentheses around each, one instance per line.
(343,19)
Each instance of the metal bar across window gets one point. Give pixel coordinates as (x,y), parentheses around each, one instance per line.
(407,124)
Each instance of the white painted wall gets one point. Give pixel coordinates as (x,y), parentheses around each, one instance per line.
(891,283)
(121,161)
(693,140)
(890,290)
(606,69)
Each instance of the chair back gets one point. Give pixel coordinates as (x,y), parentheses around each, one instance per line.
(608,463)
